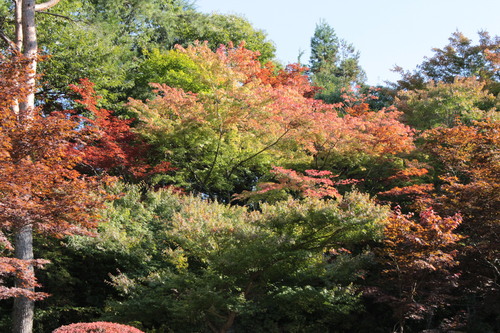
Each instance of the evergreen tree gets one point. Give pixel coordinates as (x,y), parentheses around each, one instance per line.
(334,64)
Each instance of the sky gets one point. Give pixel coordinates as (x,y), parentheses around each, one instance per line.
(385,32)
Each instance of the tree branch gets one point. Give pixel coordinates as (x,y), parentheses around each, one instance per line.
(11,44)
(257,153)
(46,5)
(57,15)
(217,152)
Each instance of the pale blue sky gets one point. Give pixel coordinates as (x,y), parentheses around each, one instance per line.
(386,32)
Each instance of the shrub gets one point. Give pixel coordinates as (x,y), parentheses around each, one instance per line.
(97,327)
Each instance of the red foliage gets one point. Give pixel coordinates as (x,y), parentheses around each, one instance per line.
(21,270)
(97,327)
(39,185)
(116,149)
(315,183)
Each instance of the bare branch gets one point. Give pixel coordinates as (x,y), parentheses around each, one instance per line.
(58,15)
(11,44)
(46,5)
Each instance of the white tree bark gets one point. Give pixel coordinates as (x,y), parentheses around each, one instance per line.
(30,50)
(18,7)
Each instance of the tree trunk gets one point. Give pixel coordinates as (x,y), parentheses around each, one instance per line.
(23,310)
(19,24)
(30,48)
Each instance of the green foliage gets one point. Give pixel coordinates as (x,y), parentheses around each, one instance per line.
(133,233)
(104,41)
(443,104)
(226,267)
(220,29)
(334,64)
(171,68)
(460,58)
(225,136)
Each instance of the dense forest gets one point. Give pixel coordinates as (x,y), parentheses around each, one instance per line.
(161,171)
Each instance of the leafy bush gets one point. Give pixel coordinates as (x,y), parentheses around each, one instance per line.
(97,327)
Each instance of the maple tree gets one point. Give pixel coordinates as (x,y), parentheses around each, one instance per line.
(420,254)
(116,149)
(40,189)
(21,107)
(460,174)
(467,159)
(225,136)
(243,116)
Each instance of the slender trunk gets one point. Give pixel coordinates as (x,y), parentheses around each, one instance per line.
(18,41)
(19,24)
(30,50)
(26,42)
(23,310)
(229,323)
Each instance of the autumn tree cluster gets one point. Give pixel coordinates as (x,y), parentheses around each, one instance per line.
(173,177)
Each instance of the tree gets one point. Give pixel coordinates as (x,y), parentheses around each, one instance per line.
(446,104)
(40,190)
(223,120)
(460,58)
(460,174)
(114,148)
(223,137)
(419,254)
(25,43)
(466,158)
(334,64)
(220,29)
(105,41)
(289,267)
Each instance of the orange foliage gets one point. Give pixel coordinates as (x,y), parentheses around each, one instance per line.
(420,245)
(375,133)
(470,172)
(247,111)
(20,269)
(419,255)
(39,186)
